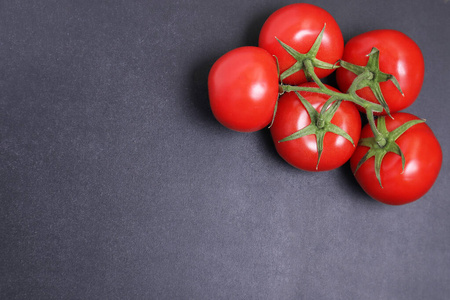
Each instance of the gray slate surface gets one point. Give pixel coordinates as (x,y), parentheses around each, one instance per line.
(116,182)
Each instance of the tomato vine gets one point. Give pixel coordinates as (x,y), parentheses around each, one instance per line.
(369,80)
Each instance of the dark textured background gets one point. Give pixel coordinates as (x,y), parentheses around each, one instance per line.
(116,182)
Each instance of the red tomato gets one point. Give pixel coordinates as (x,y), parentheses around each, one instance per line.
(302,153)
(423,160)
(298,25)
(399,56)
(243,89)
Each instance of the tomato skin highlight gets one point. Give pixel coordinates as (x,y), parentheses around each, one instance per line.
(423,160)
(302,153)
(298,25)
(399,56)
(243,89)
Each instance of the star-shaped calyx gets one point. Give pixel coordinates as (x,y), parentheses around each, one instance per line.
(301,59)
(378,148)
(377,76)
(320,124)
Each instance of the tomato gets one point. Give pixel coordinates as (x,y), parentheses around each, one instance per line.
(423,160)
(302,153)
(399,56)
(298,25)
(243,89)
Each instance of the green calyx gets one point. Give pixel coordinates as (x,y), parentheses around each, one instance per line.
(320,124)
(379,147)
(375,76)
(301,58)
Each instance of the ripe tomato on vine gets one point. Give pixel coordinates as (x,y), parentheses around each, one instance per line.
(298,26)
(312,141)
(405,167)
(243,89)
(400,60)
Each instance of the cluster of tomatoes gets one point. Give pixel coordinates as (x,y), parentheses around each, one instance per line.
(395,157)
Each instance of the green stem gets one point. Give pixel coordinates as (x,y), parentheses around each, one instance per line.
(350,96)
(324,90)
(312,74)
(366,75)
(379,137)
(320,121)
